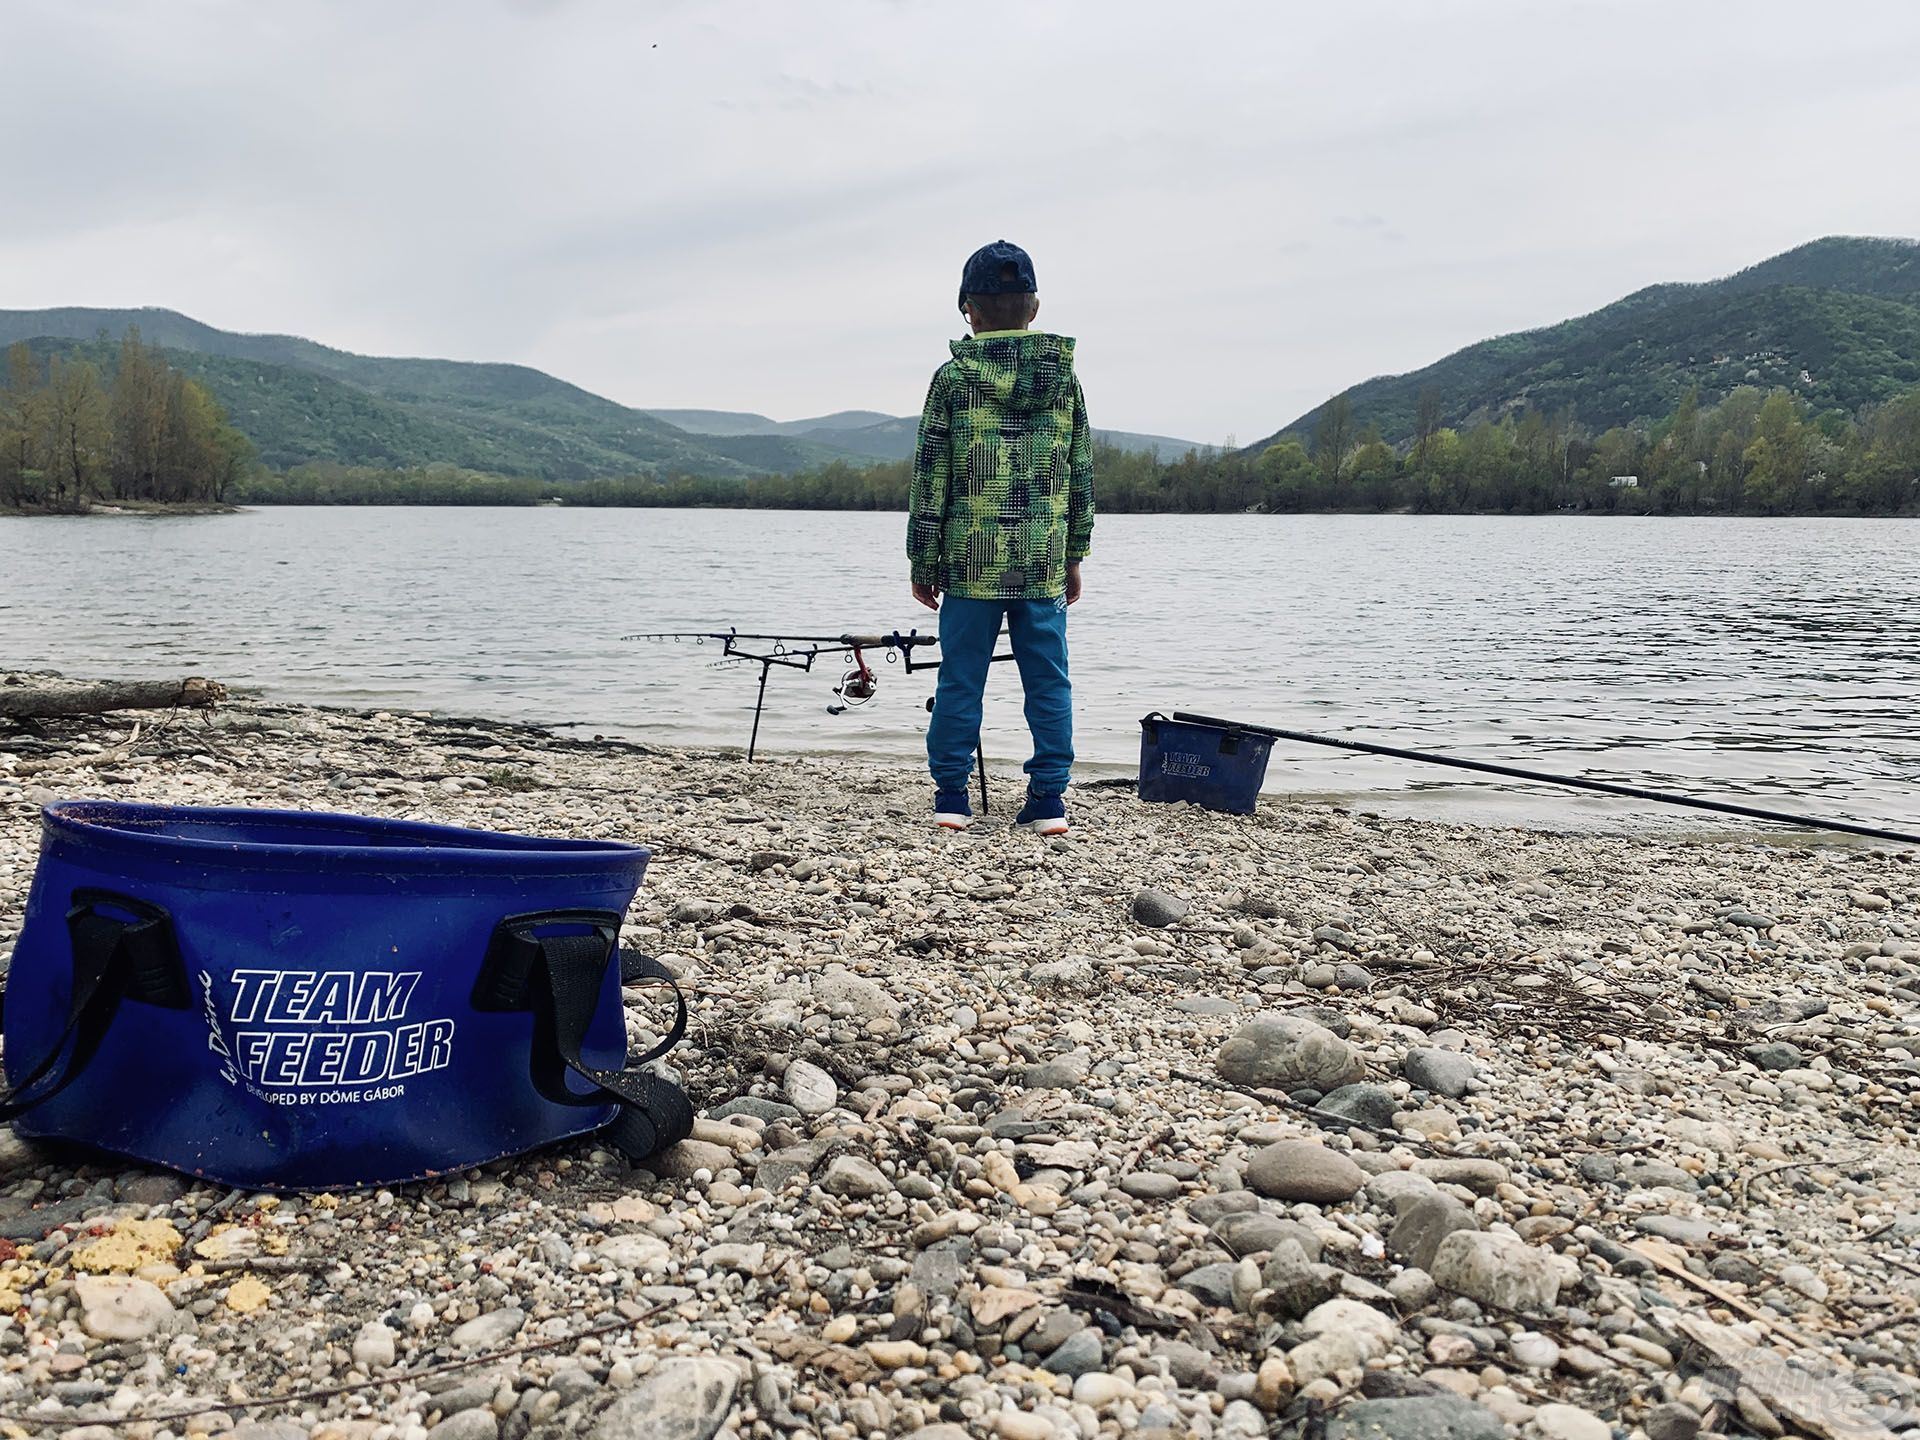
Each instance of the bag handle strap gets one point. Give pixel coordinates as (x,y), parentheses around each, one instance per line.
(131,955)
(559,978)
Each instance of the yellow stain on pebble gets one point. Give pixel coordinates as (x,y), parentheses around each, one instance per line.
(216,1247)
(129,1246)
(247,1294)
(17,1277)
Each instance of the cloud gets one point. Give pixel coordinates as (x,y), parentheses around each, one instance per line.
(1239,208)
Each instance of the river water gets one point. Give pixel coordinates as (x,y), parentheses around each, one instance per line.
(1775,662)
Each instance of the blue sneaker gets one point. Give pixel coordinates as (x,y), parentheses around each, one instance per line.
(1043,814)
(952,810)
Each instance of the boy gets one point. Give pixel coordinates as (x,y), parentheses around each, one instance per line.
(1000,517)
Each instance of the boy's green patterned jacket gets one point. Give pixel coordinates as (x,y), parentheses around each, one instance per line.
(1002,492)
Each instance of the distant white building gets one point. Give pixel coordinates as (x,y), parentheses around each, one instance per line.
(1625,482)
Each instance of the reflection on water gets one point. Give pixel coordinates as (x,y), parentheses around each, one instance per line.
(1769,659)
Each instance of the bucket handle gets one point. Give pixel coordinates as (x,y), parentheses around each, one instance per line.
(559,978)
(1230,736)
(115,958)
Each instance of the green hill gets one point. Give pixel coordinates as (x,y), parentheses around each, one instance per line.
(1836,321)
(300,402)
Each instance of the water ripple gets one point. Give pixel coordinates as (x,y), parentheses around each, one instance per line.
(1771,658)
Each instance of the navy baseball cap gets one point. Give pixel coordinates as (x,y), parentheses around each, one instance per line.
(1001,268)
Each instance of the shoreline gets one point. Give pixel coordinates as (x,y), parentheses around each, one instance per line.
(144,509)
(1506,805)
(1033,1205)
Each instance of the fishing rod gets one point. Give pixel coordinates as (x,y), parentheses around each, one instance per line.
(1605,787)
(858,684)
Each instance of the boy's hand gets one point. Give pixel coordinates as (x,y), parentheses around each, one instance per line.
(927,595)
(1073,581)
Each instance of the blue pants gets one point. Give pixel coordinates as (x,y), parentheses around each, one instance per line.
(968,630)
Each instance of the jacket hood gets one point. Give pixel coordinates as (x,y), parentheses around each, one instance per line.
(1020,370)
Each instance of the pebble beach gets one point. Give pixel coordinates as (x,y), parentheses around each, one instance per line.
(1309,1122)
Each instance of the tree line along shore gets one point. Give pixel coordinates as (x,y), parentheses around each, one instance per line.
(133,432)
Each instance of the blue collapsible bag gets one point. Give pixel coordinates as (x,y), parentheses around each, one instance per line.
(1218,767)
(288,1000)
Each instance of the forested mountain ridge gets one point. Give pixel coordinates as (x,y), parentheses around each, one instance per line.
(1836,322)
(301,403)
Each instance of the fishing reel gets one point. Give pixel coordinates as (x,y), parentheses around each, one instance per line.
(857,686)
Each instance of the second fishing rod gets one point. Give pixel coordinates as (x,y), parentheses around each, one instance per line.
(1546,777)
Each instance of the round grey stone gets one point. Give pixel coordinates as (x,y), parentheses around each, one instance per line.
(1444,1072)
(754,1105)
(1367,1104)
(1303,1170)
(1147,1185)
(809,1089)
(1412,1288)
(1775,1055)
(1212,1283)
(1188,1364)
(1497,1269)
(1251,1233)
(1423,1224)
(489,1331)
(1076,1355)
(850,1176)
(1157,909)
(686,1399)
(1285,1052)
(1209,1209)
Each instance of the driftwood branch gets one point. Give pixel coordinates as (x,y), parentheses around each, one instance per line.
(1828,1406)
(1670,1258)
(40,697)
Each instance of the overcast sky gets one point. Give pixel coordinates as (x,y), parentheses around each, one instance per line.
(1239,208)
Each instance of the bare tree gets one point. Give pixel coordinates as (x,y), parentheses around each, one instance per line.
(1426,426)
(139,419)
(1333,436)
(79,427)
(22,426)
